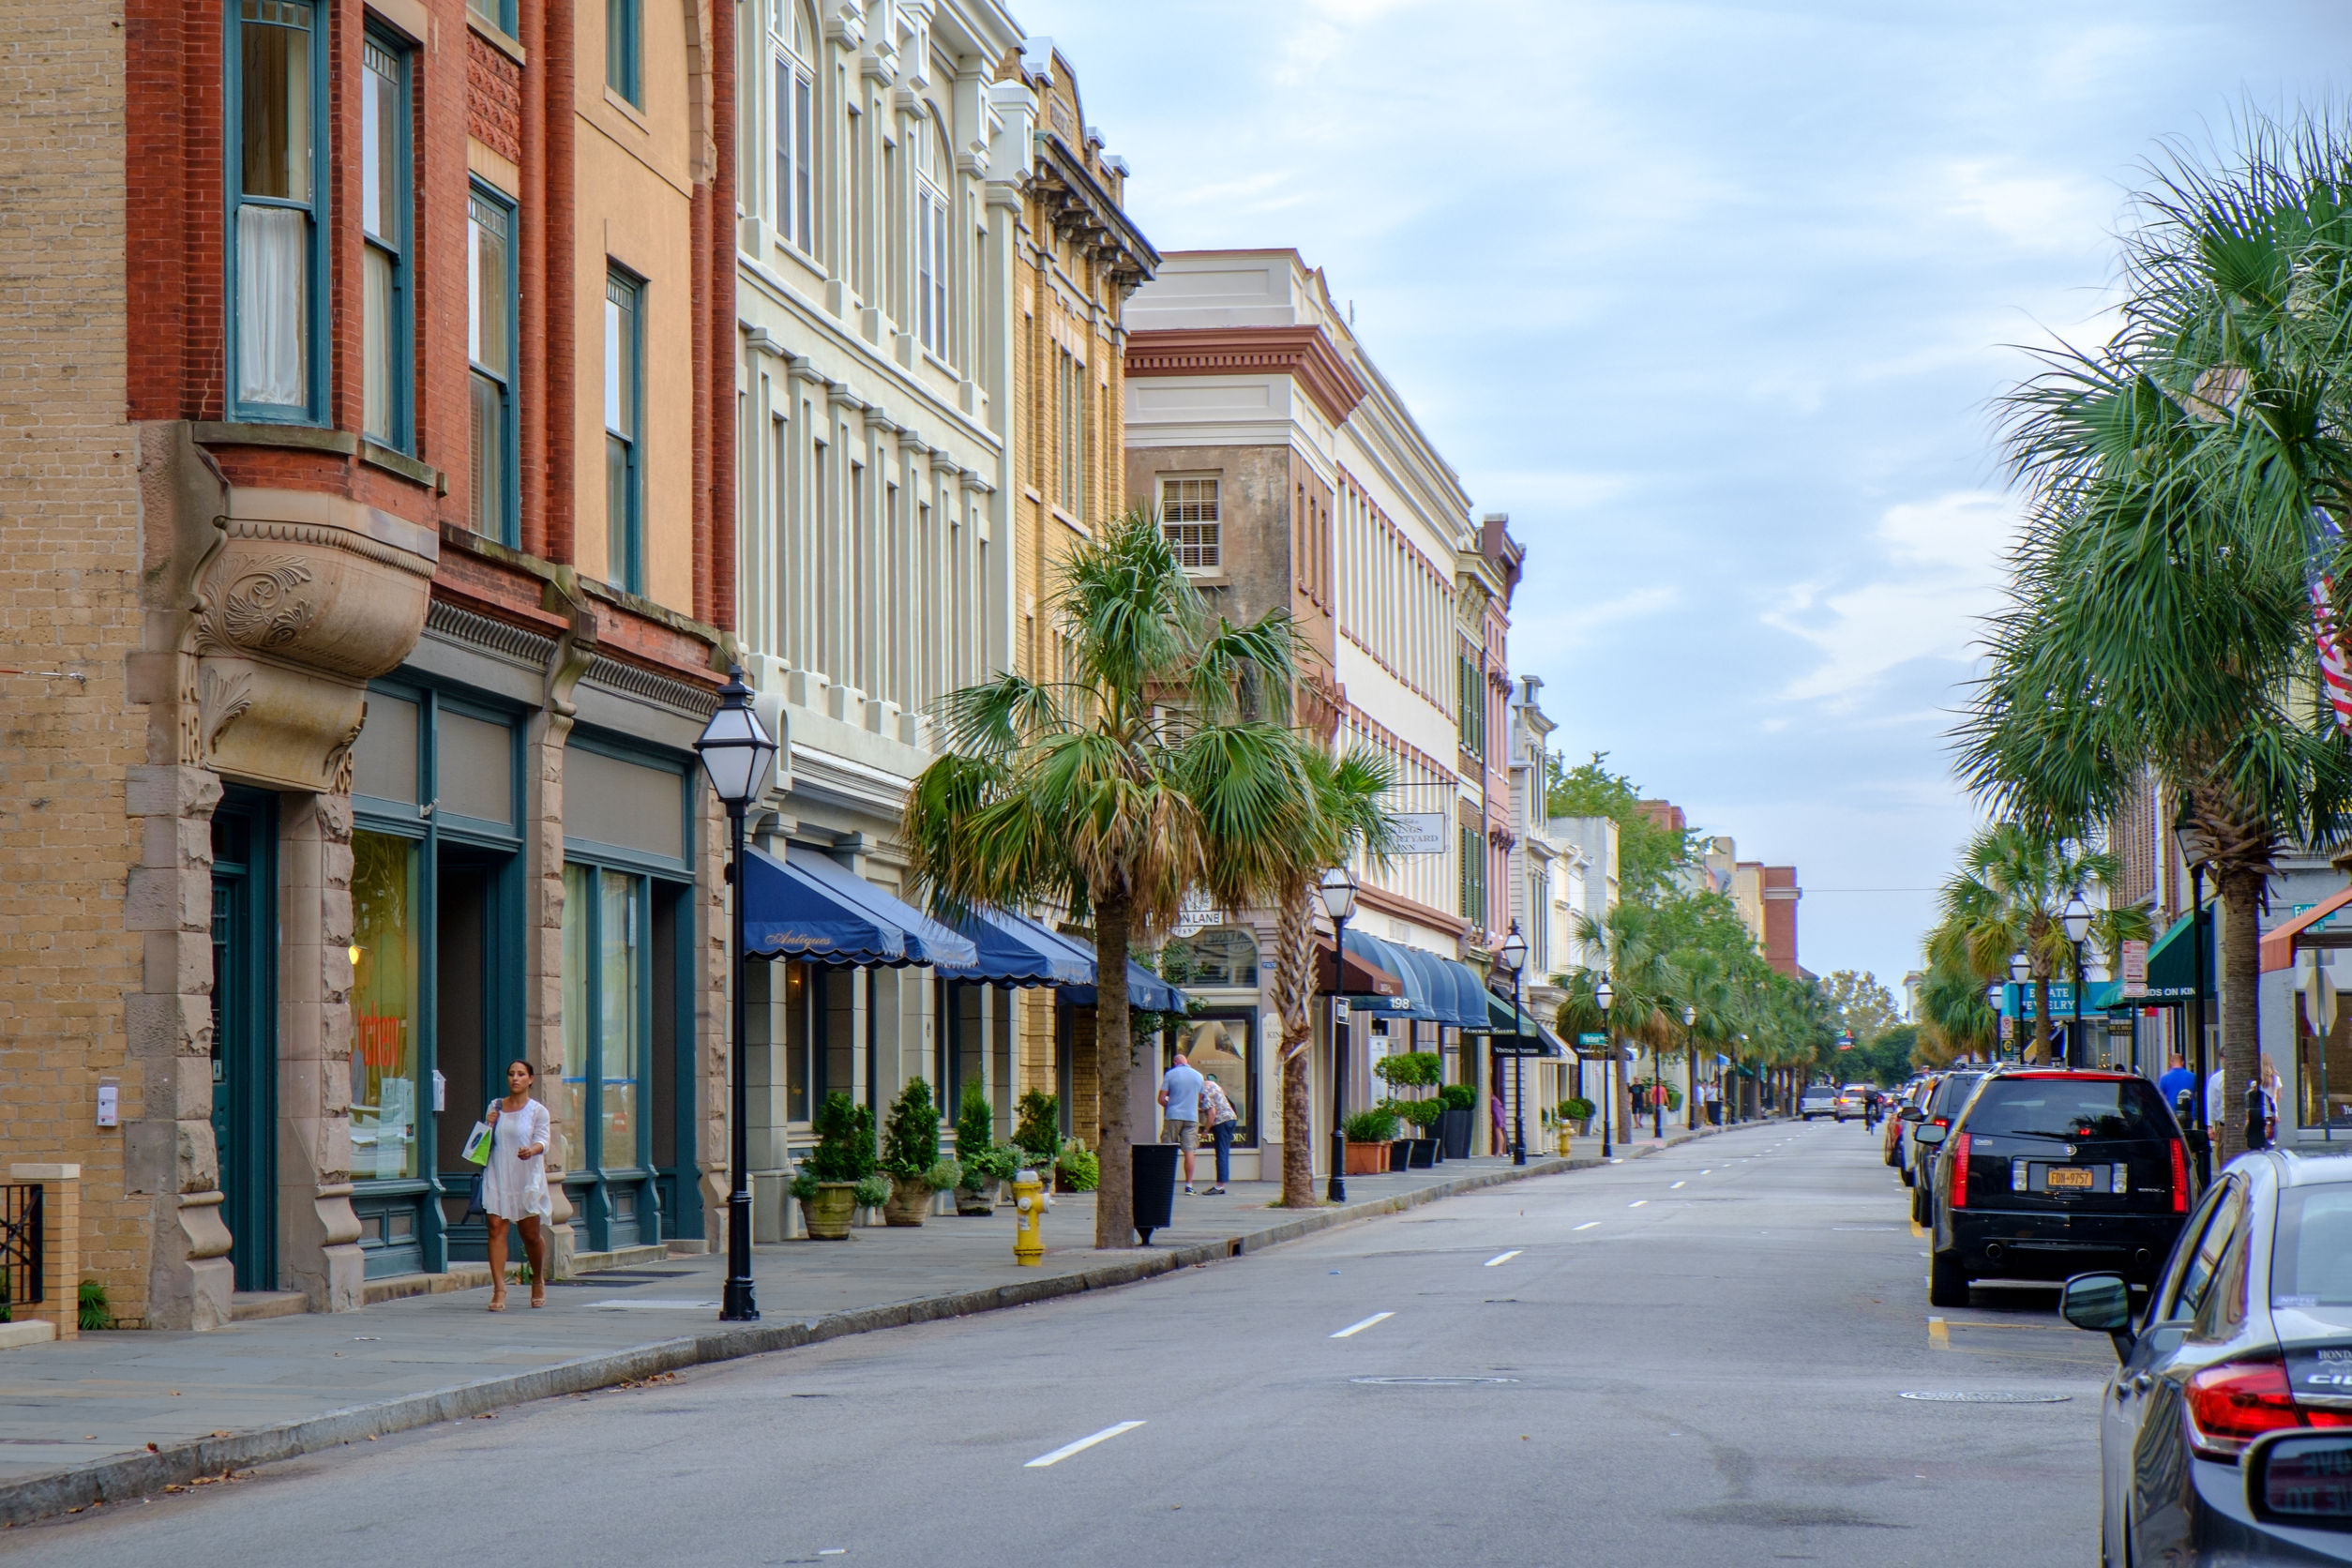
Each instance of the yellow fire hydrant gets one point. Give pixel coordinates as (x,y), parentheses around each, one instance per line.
(1030,1204)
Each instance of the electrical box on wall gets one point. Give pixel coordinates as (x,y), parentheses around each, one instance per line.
(109,1102)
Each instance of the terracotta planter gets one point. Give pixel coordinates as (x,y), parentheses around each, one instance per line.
(970,1202)
(910,1202)
(827,1214)
(1366,1159)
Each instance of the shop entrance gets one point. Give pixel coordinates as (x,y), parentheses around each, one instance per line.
(244,1028)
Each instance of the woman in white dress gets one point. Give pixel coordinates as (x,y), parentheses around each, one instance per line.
(514,1183)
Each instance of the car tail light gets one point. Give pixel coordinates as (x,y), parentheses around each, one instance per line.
(1960,1170)
(2180,1178)
(2234,1403)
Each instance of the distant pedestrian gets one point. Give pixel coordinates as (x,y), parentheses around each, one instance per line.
(1502,1128)
(1179,1102)
(1218,1121)
(2177,1080)
(514,1183)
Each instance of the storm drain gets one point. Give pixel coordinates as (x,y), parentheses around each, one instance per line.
(1433,1382)
(1981,1397)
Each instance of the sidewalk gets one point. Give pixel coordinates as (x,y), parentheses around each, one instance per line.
(110,1416)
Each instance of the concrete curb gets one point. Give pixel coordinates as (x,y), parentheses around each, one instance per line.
(43,1497)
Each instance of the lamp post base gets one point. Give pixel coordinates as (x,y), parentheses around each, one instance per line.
(736,1304)
(1335,1190)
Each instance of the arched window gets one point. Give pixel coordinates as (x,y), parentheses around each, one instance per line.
(1224,956)
(932,170)
(791,37)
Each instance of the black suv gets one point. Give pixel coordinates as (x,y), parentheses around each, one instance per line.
(2048,1172)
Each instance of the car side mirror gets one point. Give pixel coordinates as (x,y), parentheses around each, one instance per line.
(2101,1303)
(2300,1478)
(1930,1134)
(1911,1113)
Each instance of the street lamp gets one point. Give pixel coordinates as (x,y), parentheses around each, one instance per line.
(2195,849)
(735,752)
(1603,996)
(2021,976)
(2076,919)
(1336,888)
(1657,1094)
(1513,957)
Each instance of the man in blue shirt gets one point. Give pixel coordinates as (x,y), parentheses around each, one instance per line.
(1180,1099)
(2174,1081)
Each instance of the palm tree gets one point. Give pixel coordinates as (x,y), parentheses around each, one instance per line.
(1161,763)
(2009,896)
(2159,618)
(1341,816)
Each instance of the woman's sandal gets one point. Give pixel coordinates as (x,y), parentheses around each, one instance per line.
(538,1297)
(498,1302)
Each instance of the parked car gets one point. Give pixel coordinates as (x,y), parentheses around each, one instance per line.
(1818,1099)
(1892,1139)
(2226,1435)
(1852,1100)
(1951,1092)
(2048,1171)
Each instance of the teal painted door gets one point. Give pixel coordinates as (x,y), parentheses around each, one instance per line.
(244,1030)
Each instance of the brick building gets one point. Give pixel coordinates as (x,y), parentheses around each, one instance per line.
(369,374)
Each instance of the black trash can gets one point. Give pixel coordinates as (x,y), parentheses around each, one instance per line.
(1154,1188)
(1454,1130)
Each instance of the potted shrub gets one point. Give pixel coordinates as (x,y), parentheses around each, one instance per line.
(1577,1112)
(1368,1133)
(839,1176)
(985,1163)
(1458,1121)
(911,1156)
(1037,1133)
(1425,1150)
(1076,1168)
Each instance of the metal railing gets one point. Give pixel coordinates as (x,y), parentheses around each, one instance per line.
(20,1245)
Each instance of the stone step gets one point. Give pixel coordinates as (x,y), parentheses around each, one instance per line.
(27,1331)
(245,1306)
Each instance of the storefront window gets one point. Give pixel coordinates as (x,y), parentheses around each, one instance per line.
(1223,1047)
(577,1022)
(384,1014)
(1224,956)
(621,977)
(2324,1075)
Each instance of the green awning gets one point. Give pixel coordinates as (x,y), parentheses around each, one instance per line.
(1526,1036)
(2172,968)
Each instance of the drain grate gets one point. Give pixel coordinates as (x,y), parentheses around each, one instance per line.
(1433,1382)
(1981,1397)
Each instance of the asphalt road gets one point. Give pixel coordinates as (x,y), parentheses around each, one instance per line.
(1696,1357)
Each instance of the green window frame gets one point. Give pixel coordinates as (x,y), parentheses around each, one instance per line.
(497,14)
(493,351)
(386,224)
(623,41)
(1474,843)
(624,428)
(275,249)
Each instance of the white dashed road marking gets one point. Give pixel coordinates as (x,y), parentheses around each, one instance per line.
(1080,1446)
(1505,1258)
(1354,1329)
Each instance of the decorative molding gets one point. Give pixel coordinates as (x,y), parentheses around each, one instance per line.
(1302,352)
(627,680)
(265,531)
(264,606)
(517,645)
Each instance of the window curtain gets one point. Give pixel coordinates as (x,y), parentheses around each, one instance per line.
(273,306)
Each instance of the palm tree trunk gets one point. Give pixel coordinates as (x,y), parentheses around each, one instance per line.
(1298,1120)
(2041,1048)
(2241,1008)
(1115,1065)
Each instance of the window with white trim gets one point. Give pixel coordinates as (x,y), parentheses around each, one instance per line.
(276,260)
(1189,518)
(794,118)
(930,238)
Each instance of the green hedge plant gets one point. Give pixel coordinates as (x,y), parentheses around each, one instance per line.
(1411,1069)
(1376,1125)
(1038,1134)
(910,1143)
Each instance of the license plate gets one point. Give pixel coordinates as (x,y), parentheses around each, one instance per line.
(2075,1179)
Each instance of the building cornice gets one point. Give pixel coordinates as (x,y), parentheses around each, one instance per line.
(1302,352)
(1082,211)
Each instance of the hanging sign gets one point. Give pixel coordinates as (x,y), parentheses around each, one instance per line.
(2134,967)
(1420,833)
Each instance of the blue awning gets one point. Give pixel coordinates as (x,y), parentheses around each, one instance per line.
(1524,1036)
(1413,1004)
(1015,950)
(1145,989)
(1437,989)
(808,906)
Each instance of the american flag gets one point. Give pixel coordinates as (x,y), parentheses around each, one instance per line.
(2335,668)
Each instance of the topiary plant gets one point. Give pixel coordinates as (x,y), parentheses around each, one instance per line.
(983,1158)
(1038,1134)
(946,1172)
(1458,1096)
(911,1144)
(1410,1069)
(845,1142)
(873,1191)
(1576,1108)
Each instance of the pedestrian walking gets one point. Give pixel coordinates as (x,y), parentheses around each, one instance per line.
(1218,1121)
(1502,1128)
(2176,1081)
(1179,1106)
(514,1183)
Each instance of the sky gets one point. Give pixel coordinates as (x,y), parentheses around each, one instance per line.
(1713,300)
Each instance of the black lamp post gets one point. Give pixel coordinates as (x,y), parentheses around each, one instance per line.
(2076,919)
(2195,849)
(2020,971)
(1602,995)
(1657,1097)
(1512,957)
(1337,890)
(735,752)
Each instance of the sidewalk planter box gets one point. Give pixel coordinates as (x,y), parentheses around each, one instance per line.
(1421,1153)
(970,1202)
(1454,1131)
(910,1200)
(1154,1188)
(1399,1153)
(1367,1159)
(827,1214)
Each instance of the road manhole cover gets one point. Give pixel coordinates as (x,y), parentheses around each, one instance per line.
(1433,1382)
(1981,1397)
